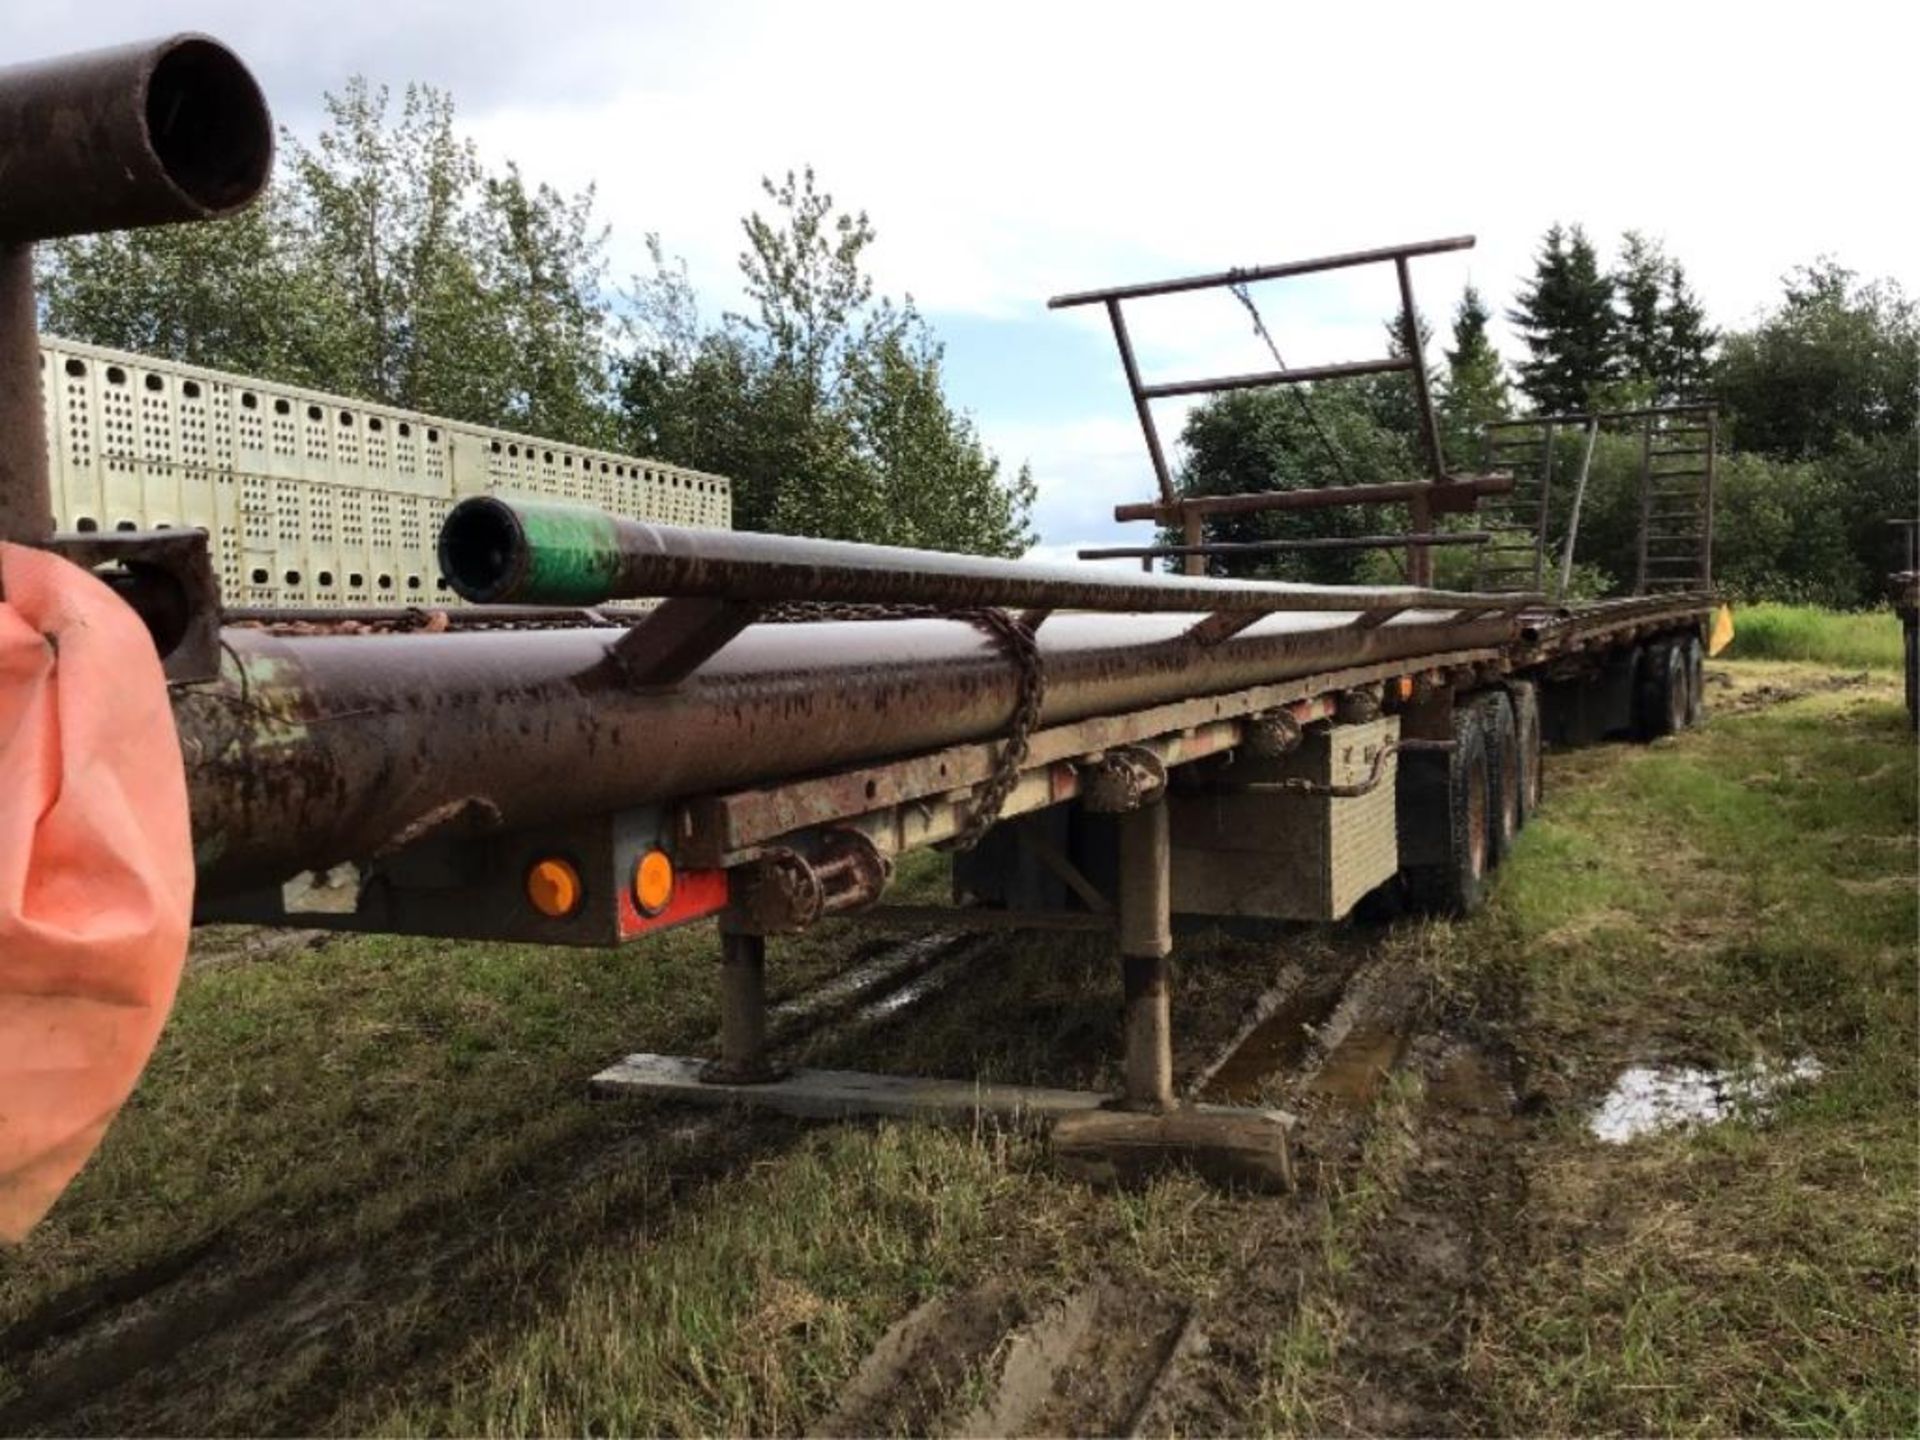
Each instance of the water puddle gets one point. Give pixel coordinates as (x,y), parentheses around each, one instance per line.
(1277,1044)
(1358,1066)
(1646,1100)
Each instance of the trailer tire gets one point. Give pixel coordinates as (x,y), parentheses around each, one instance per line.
(1696,662)
(1503,774)
(1456,886)
(1660,691)
(1526,720)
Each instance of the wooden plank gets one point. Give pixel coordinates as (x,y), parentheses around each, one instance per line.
(1239,1149)
(833,1094)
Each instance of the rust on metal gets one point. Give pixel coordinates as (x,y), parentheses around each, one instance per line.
(1122,780)
(731,829)
(786,890)
(1459,496)
(489,554)
(1253,273)
(312,750)
(144,134)
(1283,547)
(1420,499)
(167,577)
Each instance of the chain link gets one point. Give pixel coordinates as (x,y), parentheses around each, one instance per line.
(1015,639)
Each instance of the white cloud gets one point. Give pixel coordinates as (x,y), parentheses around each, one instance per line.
(1008,150)
(1011,151)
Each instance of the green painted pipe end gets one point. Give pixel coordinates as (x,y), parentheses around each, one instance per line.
(529,552)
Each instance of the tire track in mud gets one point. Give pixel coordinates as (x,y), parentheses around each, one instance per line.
(136,1350)
(1124,1354)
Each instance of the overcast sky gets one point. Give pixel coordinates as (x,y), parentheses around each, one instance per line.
(1010,152)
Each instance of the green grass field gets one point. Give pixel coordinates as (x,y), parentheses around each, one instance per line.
(361,1189)
(1863,639)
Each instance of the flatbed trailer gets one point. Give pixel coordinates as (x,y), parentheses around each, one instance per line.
(1099,750)
(1286,769)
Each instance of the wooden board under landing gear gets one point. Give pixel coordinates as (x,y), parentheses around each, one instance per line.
(1228,1144)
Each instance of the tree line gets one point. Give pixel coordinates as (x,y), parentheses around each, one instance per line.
(1816,398)
(388,262)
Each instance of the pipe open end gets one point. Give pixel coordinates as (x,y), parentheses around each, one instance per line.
(208,124)
(483,550)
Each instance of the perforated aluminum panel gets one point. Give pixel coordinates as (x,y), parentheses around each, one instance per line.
(310,499)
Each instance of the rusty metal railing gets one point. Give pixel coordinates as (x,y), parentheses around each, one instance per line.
(1422,498)
(1673,546)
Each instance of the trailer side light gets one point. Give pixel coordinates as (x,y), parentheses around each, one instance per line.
(652,882)
(553,887)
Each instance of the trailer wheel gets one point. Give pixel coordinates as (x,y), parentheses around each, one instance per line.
(1526,720)
(1660,695)
(1503,772)
(1695,659)
(1457,884)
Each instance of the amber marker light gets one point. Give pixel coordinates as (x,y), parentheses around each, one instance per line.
(652,882)
(553,887)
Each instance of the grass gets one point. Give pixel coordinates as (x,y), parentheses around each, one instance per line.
(1742,894)
(1864,640)
(1300,1375)
(366,1194)
(745,1314)
(379,1156)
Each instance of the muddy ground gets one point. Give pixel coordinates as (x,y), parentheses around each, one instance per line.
(1424,1089)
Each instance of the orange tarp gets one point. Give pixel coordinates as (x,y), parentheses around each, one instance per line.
(96,870)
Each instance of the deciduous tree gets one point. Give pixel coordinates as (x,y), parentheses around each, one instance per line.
(386,262)
(824,403)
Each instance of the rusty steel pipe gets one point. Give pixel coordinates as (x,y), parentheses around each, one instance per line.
(493,550)
(1284,547)
(144,134)
(26,487)
(1262,272)
(1458,488)
(1260,380)
(311,750)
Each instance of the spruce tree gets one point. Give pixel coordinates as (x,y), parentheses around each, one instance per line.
(1474,389)
(1565,316)
(1640,281)
(1686,342)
